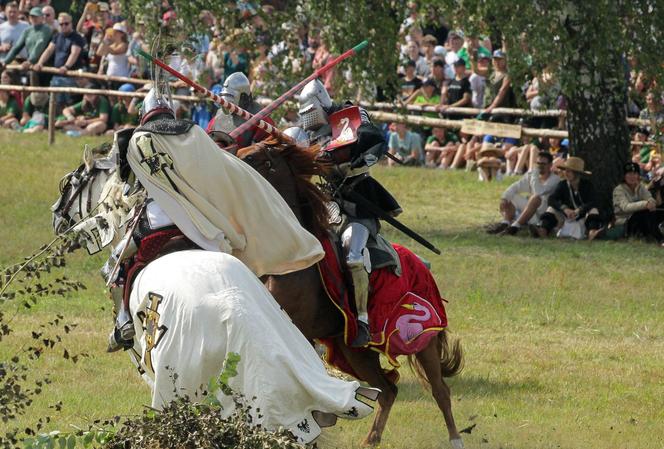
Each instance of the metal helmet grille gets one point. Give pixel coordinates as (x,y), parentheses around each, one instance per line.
(313,117)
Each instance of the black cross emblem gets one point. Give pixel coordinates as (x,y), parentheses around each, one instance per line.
(352,412)
(304,426)
(158,162)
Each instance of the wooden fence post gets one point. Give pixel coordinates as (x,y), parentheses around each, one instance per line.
(51,118)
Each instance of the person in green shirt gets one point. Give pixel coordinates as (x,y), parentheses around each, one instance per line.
(35,113)
(88,117)
(9,110)
(427,95)
(441,147)
(125,111)
(35,39)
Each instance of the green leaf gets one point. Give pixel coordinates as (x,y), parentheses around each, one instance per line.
(87,439)
(71,442)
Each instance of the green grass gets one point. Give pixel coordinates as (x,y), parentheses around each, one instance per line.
(564,341)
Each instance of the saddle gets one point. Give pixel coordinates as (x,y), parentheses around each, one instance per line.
(405,311)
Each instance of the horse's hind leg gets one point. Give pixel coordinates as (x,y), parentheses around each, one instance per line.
(429,360)
(367,366)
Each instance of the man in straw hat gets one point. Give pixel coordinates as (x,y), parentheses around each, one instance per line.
(526,200)
(490,161)
(635,207)
(572,205)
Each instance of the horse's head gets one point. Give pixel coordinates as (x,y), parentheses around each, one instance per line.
(289,169)
(91,198)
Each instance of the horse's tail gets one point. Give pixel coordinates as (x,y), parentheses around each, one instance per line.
(451,360)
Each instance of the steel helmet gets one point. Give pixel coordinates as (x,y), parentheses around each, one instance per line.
(299,135)
(314,101)
(236,90)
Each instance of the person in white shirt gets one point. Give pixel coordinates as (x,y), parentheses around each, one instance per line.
(11,30)
(525,200)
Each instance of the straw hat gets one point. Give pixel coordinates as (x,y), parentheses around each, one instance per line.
(575,164)
(490,150)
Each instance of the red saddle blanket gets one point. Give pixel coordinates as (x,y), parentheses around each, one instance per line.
(405,311)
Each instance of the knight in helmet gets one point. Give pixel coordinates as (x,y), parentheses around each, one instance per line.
(350,145)
(236,90)
(197,197)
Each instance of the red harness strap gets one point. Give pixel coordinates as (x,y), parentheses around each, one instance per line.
(149,249)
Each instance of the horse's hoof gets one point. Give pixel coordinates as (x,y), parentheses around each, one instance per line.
(372,440)
(457,443)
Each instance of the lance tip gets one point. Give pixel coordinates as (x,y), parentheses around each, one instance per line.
(361,46)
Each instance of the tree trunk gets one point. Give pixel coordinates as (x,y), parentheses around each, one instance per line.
(598,131)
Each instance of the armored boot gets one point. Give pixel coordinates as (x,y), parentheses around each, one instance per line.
(354,240)
(360,279)
(122,336)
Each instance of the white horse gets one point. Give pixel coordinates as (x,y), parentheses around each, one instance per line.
(193,308)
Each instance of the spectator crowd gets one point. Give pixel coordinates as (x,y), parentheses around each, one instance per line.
(438,67)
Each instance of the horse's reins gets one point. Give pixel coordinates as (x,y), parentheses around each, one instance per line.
(86,179)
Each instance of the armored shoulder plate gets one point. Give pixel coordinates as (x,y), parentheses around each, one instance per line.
(170,127)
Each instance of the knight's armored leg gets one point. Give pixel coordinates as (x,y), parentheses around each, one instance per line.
(122,336)
(354,239)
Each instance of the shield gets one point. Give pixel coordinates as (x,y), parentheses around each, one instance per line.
(344,125)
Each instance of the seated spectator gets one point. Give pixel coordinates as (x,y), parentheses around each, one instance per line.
(66,49)
(498,92)
(466,154)
(440,148)
(49,18)
(35,113)
(34,39)
(526,200)
(11,78)
(453,45)
(653,112)
(654,165)
(113,53)
(94,25)
(457,93)
(121,117)
(405,145)
(641,152)
(429,43)
(409,81)
(413,54)
(10,111)
(542,93)
(572,205)
(438,73)
(490,162)
(11,30)
(427,95)
(477,79)
(635,208)
(116,12)
(88,117)
(139,67)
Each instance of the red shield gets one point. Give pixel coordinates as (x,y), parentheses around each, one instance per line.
(344,125)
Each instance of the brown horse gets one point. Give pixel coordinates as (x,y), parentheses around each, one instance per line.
(289,169)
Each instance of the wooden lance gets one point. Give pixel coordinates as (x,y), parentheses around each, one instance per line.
(267,110)
(232,108)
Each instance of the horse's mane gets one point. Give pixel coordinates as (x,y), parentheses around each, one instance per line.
(303,165)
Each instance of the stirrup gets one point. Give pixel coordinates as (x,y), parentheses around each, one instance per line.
(363,336)
(121,338)
(367,392)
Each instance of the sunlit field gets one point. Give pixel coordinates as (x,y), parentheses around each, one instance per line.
(564,341)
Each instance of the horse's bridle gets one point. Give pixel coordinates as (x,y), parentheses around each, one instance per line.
(76,180)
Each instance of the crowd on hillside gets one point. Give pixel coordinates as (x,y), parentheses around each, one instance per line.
(439,67)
